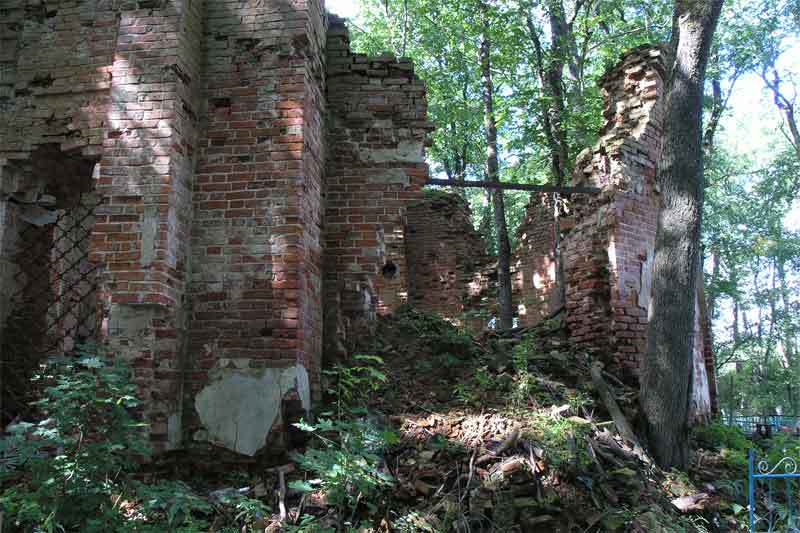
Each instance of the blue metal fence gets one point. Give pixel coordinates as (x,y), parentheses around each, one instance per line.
(771,509)
(749,424)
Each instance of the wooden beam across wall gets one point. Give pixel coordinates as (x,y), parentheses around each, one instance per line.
(514,186)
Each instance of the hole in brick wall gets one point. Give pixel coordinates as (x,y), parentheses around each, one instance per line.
(50,291)
(246,44)
(221,102)
(42,81)
(389,270)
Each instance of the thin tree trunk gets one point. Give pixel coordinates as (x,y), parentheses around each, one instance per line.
(487,224)
(718,106)
(787,335)
(552,113)
(665,383)
(786,106)
(712,297)
(713,122)
(786,319)
(490,126)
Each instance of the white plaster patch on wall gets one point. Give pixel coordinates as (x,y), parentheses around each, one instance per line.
(239,407)
(149,235)
(406,151)
(392,175)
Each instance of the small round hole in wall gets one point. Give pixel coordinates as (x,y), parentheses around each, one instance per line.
(389,270)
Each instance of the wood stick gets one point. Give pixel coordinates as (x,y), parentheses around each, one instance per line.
(513,186)
(508,443)
(282,495)
(606,394)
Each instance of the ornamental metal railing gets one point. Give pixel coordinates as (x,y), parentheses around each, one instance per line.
(772,498)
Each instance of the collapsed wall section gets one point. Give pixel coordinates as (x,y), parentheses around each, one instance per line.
(377,132)
(535,261)
(609,253)
(449,272)
(607,241)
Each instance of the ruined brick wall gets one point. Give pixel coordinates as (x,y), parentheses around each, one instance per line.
(535,280)
(608,254)
(141,239)
(200,271)
(448,267)
(608,240)
(377,131)
(202,127)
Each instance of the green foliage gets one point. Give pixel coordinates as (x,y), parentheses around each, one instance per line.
(472,391)
(563,439)
(783,445)
(730,441)
(353,383)
(344,462)
(344,458)
(432,327)
(308,524)
(80,455)
(172,502)
(523,386)
(77,469)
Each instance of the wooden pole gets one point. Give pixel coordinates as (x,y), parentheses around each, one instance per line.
(514,186)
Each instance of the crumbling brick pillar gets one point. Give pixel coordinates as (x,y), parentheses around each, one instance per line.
(377,132)
(141,238)
(255,325)
(608,252)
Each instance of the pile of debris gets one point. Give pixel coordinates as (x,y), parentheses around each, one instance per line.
(489,445)
(501,432)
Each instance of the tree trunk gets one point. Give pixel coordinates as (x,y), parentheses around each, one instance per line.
(552,112)
(712,297)
(787,335)
(666,372)
(490,127)
(786,107)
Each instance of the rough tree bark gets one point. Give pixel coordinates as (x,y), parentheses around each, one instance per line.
(490,127)
(667,366)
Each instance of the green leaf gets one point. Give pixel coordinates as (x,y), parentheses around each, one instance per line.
(302,486)
(391,437)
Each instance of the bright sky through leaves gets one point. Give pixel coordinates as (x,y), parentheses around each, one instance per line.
(343,8)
